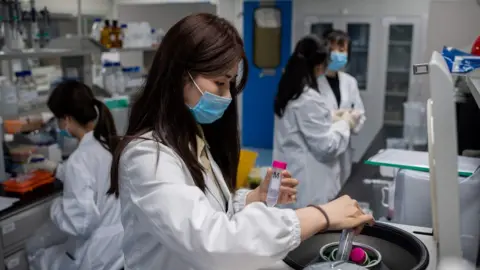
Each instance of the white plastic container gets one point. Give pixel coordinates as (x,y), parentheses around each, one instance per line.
(23,92)
(8,98)
(119,78)
(32,86)
(108,75)
(415,123)
(275,182)
(96,29)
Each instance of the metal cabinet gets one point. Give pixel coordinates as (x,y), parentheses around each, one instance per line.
(19,227)
(383,49)
(17,261)
(401,43)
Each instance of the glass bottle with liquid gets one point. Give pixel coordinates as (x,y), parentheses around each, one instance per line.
(115,35)
(105,39)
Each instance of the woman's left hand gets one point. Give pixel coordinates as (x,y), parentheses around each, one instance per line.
(288,189)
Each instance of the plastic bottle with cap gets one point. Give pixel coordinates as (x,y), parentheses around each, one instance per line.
(275,181)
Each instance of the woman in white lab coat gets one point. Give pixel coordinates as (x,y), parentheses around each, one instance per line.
(340,91)
(305,135)
(84,213)
(175,168)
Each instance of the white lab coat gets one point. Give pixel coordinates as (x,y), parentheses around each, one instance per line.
(170,224)
(310,143)
(349,95)
(89,217)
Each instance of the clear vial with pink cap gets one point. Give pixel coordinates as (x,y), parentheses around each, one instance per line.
(275,182)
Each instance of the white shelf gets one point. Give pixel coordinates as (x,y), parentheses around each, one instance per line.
(394,123)
(398,70)
(400,43)
(390,93)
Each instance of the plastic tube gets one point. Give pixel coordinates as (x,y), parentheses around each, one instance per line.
(345,245)
(275,181)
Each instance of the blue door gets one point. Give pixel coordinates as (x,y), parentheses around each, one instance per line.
(267,36)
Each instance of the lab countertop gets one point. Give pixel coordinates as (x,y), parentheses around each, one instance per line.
(31,198)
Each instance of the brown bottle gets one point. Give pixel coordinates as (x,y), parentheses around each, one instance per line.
(115,35)
(105,39)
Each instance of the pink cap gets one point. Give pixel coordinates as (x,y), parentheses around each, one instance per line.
(358,255)
(279,165)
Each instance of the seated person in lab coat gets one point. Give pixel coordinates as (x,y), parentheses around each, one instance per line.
(175,168)
(84,213)
(340,92)
(305,136)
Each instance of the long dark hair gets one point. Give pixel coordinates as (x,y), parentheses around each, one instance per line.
(202,44)
(75,99)
(309,52)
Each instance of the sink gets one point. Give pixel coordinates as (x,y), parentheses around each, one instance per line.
(399,249)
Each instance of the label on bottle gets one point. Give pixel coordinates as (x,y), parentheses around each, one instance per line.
(25,96)
(10,98)
(274,187)
(113,38)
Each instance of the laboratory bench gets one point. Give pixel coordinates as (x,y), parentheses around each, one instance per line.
(19,221)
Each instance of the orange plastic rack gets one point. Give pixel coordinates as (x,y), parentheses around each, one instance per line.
(34,180)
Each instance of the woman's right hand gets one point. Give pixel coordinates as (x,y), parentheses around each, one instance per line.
(345,213)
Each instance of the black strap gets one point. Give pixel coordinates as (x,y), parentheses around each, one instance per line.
(324,214)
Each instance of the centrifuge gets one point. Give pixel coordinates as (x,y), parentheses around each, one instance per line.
(389,246)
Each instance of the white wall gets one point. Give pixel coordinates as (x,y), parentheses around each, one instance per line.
(161,15)
(451,23)
(93,7)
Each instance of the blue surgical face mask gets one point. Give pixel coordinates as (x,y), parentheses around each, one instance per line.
(338,60)
(210,107)
(65,133)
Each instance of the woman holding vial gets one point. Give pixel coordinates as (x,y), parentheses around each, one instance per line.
(175,168)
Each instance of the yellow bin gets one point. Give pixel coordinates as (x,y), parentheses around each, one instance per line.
(245,165)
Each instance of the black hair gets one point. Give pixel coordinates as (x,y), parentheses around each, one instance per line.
(309,52)
(76,100)
(202,44)
(338,37)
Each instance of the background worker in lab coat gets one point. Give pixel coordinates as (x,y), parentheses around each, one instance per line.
(340,91)
(176,166)
(85,213)
(305,135)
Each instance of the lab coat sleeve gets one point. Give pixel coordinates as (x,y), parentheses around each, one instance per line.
(240,199)
(358,105)
(180,216)
(325,139)
(76,212)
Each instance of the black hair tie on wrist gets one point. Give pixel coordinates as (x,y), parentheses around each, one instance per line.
(324,214)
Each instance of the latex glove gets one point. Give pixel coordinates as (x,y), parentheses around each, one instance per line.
(347,116)
(45,165)
(337,115)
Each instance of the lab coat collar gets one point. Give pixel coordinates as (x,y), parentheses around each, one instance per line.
(203,146)
(88,137)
